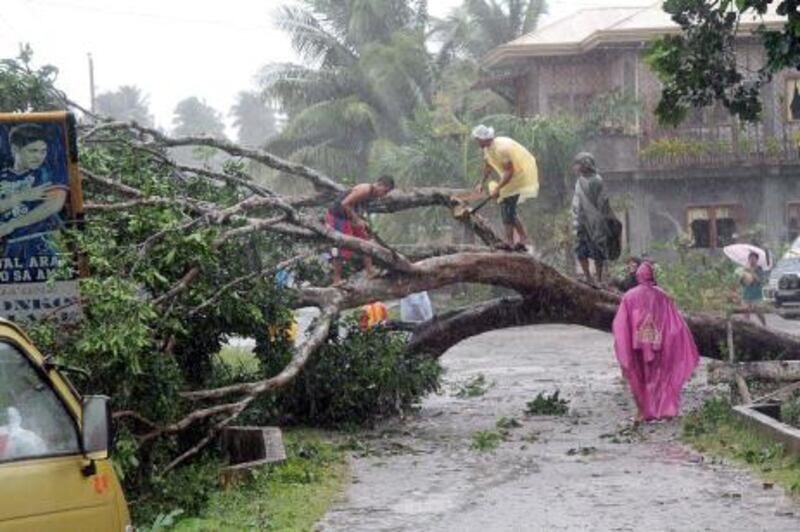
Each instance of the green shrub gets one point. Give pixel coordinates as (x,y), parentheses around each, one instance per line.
(187,489)
(790,411)
(356,378)
(474,387)
(507,423)
(486,440)
(707,418)
(715,430)
(762,455)
(697,281)
(547,405)
(275,497)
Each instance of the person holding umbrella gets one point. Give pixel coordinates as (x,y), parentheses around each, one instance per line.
(752,278)
(754,262)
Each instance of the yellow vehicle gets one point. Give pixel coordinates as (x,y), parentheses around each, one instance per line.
(55,474)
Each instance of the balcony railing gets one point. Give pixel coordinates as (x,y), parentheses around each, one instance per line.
(721,147)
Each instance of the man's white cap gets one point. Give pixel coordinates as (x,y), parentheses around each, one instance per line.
(482,132)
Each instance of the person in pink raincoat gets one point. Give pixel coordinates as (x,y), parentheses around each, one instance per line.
(654,347)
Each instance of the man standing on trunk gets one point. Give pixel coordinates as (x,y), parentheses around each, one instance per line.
(346,216)
(590,214)
(519,179)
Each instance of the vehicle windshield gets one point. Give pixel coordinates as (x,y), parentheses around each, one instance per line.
(786,265)
(33,421)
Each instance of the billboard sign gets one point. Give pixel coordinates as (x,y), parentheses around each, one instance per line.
(40,195)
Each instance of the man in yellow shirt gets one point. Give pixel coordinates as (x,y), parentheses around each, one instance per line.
(519,179)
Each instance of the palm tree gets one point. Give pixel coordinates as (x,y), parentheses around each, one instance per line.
(366,68)
(193,116)
(478,26)
(126,103)
(254,120)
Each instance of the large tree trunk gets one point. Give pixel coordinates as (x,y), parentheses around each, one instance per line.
(440,334)
(546,296)
(752,342)
(773,370)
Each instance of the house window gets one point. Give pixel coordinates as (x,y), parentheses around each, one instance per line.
(793,220)
(792,98)
(713,226)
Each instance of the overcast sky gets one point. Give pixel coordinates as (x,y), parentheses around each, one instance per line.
(171,49)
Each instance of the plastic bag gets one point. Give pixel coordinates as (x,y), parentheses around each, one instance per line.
(416,308)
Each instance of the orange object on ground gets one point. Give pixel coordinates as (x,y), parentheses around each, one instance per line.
(373,314)
(289,332)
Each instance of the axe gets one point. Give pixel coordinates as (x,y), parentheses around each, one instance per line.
(464,211)
(377,238)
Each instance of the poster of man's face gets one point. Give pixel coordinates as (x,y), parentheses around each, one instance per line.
(34,187)
(40,193)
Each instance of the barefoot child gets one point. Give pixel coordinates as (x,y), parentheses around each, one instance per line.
(343,216)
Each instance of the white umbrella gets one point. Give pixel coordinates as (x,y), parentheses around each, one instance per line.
(739,254)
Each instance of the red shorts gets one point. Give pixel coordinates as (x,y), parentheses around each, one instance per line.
(344,226)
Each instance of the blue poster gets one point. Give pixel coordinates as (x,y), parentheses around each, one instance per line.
(34,192)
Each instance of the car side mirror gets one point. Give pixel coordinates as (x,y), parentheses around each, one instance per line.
(96,426)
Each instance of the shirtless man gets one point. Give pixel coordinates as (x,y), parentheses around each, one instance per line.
(345,216)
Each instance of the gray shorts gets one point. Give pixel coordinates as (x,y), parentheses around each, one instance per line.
(508,209)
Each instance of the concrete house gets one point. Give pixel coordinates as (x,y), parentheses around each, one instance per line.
(713,178)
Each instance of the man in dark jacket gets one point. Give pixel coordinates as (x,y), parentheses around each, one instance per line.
(590,213)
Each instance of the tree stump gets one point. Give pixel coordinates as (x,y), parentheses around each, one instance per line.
(247,448)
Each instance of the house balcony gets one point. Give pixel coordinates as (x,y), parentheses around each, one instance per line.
(696,148)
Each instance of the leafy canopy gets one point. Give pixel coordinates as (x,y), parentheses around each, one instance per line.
(699,66)
(127,103)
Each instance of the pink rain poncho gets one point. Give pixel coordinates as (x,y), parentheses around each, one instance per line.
(654,347)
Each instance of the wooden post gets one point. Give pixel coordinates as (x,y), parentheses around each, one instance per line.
(91,84)
(741,384)
(744,392)
(731,353)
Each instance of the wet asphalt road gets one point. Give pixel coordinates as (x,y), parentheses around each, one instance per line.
(584,471)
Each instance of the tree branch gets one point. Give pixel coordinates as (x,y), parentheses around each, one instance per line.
(126,205)
(317,179)
(240,406)
(317,336)
(244,278)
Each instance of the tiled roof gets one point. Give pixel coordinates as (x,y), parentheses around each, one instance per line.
(575,28)
(592,27)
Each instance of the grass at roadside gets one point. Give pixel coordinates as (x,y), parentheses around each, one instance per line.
(291,496)
(238,358)
(714,430)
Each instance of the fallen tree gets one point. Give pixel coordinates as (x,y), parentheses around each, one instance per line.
(544,295)
(184,255)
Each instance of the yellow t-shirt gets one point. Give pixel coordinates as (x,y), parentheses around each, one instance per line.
(525,180)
